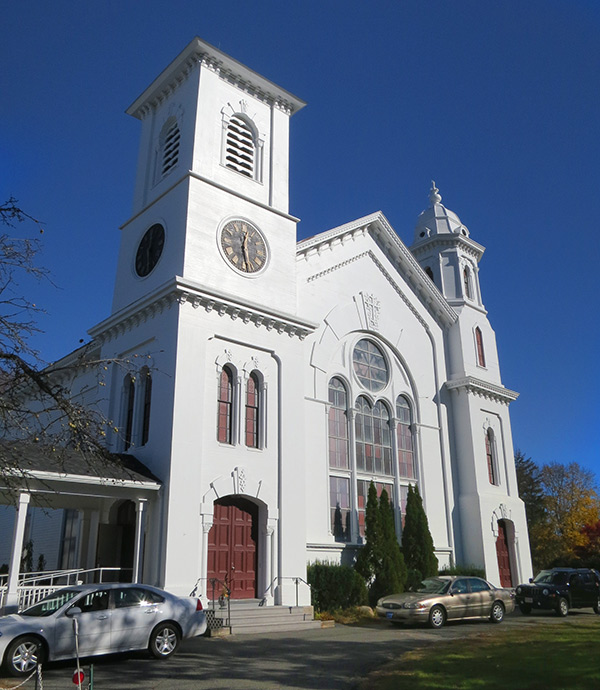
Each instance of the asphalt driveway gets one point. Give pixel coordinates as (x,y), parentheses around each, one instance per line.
(330,659)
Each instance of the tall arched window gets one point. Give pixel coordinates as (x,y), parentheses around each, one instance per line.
(252,411)
(479,345)
(404,436)
(169,146)
(225,406)
(147,383)
(382,439)
(240,146)
(129,390)
(467,283)
(338,425)
(490,452)
(373,437)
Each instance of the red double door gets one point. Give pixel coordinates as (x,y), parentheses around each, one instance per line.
(502,551)
(232,547)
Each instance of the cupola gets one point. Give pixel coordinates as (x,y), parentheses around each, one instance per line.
(437,219)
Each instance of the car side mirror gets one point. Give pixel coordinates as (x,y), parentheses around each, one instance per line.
(73,611)
(530,579)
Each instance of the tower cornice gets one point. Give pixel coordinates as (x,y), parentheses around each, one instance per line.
(181,291)
(483,389)
(199,52)
(466,244)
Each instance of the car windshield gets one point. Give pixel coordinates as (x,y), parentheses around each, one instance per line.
(51,603)
(551,577)
(432,585)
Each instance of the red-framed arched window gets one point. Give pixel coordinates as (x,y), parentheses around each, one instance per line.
(490,452)
(479,346)
(225,406)
(252,411)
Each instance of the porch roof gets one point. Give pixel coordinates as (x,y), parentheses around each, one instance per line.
(45,469)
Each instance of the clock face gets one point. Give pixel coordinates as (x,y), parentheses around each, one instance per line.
(244,246)
(149,250)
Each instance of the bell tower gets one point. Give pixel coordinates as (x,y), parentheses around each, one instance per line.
(211,194)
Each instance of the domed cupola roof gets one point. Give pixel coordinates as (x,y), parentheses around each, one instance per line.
(437,219)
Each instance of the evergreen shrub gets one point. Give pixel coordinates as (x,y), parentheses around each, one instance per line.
(472,570)
(335,586)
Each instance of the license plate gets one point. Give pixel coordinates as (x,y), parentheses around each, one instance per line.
(529,600)
(389,614)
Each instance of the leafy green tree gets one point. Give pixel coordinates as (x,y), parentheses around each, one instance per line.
(417,542)
(531,491)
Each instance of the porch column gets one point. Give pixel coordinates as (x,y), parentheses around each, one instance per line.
(138,550)
(12,598)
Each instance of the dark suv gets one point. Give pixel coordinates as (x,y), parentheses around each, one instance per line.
(561,589)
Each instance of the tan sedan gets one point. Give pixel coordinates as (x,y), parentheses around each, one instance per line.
(438,599)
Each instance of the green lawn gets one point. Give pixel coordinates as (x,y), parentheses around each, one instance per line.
(539,656)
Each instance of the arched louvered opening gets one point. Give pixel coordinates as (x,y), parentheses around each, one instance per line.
(240,147)
(170,138)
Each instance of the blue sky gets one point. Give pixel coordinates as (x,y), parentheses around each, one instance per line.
(496,101)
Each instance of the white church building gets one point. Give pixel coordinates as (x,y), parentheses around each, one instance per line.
(271,381)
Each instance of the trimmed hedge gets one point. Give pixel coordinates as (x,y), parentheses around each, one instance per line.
(335,586)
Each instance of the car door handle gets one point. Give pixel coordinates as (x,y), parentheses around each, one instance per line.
(101,618)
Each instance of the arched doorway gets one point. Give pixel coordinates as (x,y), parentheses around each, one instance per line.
(503,553)
(233,547)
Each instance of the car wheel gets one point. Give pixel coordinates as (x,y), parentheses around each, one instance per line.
(437,617)
(164,640)
(525,609)
(497,614)
(23,655)
(597,606)
(562,608)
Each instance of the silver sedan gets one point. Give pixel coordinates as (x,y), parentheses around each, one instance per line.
(438,599)
(107,618)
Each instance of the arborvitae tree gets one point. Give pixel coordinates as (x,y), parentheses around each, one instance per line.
(369,556)
(417,543)
(390,577)
(380,561)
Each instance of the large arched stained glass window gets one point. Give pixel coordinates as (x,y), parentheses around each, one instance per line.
(225,406)
(369,365)
(404,436)
(338,425)
(373,437)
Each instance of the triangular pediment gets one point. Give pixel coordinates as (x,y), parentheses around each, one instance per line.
(404,265)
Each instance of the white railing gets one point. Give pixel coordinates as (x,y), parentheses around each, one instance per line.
(35,586)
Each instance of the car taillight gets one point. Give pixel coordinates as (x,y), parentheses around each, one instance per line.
(198,605)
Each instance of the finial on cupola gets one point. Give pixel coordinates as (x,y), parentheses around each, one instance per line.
(434,194)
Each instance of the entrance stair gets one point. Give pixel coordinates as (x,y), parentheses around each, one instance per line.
(250,616)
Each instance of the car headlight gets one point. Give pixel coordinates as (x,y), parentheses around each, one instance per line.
(379,602)
(545,592)
(414,605)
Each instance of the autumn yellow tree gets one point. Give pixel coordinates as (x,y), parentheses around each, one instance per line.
(570,502)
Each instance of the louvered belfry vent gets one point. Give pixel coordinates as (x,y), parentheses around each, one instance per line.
(239,153)
(170,148)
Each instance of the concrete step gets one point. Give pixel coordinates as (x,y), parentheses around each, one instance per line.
(247,617)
